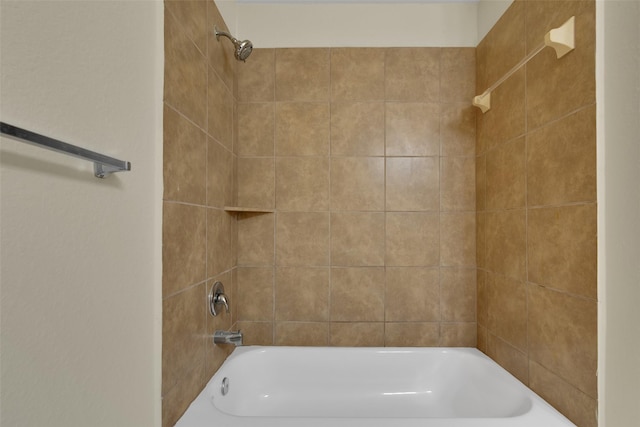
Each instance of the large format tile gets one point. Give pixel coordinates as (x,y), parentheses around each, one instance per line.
(458,239)
(412,294)
(302,294)
(221,52)
(458,292)
(357,183)
(221,244)
(302,333)
(256,182)
(183,247)
(256,122)
(256,333)
(357,74)
(255,293)
(356,334)
(357,238)
(302,183)
(256,239)
(573,403)
(412,239)
(563,336)
(177,399)
(482,295)
(185,73)
(412,129)
(506,176)
(507,310)
(302,239)
(220,106)
(256,78)
(562,248)
(412,74)
(412,334)
(302,74)
(184,338)
(457,129)
(505,243)
(573,75)
(302,129)
(481,183)
(357,129)
(193,15)
(457,183)
(458,334)
(561,161)
(412,184)
(510,358)
(184,159)
(220,175)
(458,74)
(357,294)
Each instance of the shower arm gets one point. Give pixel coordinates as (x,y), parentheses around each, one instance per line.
(225,34)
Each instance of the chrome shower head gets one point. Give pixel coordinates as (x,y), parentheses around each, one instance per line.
(242,48)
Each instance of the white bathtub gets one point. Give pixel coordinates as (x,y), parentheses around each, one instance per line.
(373,387)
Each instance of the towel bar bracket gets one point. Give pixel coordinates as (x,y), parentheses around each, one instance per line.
(101,170)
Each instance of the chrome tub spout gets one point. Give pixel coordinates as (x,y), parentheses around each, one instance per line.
(228,337)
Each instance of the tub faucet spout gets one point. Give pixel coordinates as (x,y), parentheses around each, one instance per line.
(228,337)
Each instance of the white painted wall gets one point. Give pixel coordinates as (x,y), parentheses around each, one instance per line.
(618,94)
(271,24)
(489,11)
(361,23)
(80,257)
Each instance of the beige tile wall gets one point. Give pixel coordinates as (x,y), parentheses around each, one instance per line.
(199,238)
(368,157)
(536,206)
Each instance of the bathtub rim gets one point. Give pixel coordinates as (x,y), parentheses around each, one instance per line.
(202,410)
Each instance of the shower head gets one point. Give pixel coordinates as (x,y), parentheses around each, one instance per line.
(242,48)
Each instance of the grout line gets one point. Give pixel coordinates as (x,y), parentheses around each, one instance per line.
(194,285)
(528,132)
(440,174)
(330,287)
(206,180)
(200,128)
(526,212)
(275,213)
(384,150)
(554,206)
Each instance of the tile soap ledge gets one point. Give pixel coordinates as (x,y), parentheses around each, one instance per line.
(243,209)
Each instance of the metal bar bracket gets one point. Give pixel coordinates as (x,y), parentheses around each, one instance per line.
(103,166)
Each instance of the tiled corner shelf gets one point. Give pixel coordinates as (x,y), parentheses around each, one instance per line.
(238,209)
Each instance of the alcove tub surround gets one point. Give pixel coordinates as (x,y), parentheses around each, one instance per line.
(536,206)
(372,174)
(367,156)
(199,240)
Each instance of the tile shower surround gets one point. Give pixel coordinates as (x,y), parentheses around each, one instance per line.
(536,207)
(199,168)
(367,156)
(371,167)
